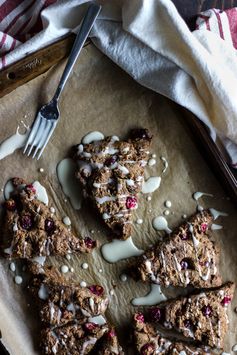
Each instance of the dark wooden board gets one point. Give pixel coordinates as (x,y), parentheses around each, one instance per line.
(34,64)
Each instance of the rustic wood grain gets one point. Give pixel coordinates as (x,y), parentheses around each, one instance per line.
(210,152)
(34,64)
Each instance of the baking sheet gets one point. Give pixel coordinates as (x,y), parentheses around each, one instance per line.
(99,96)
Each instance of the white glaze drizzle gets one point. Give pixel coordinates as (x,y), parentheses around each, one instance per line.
(101,200)
(66,169)
(43,292)
(151,162)
(168,204)
(8,189)
(18,280)
(39,259)
(234,348)
(123,277)
(64,269)
(165,162)
(159,223)
(15,227)
(100,320)
(154,297)
(92,137)
(217,214)
(41,193)
(92,304)
(84,266)
(67,221)
(149,270)
(123,169)
(216,227)
(151,184)
(119,249)
(12,266)
(199,194)
(16,141)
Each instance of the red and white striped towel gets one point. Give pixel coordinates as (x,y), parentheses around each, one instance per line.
(223,23)
(19,21)
(150,41)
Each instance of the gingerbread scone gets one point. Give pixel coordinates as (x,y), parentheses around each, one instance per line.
(73,338)
(201,317)
(30,229)
(187,257)
(62,301)
(108,344)
(149,341)
(112,172)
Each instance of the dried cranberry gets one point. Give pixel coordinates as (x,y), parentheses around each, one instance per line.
(111,333)
(147,349)
(206,263)
(207,311)
(90,326)
(139,317)
(26,221)
(131,202)
(155,314)
(110,161)
(96,289)
(188,323)
(226,300)
(185,235)
(140,133)
(30,188)
(90,243)
(49,226)
(10,205)
(184,264)
(204,227)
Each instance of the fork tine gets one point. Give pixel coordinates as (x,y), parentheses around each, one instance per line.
(38,135)
(45,134)
(47,139)
(43,137)
(35,152)
(33,132)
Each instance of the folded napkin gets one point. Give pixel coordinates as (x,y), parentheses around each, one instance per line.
(151,42)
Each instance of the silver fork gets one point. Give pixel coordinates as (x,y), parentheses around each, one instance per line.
(48,116)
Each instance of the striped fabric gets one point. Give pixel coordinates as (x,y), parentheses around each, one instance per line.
(223,23)
(19,21)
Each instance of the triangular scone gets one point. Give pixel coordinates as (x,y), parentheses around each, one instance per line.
(31,229)
(201,317)
(73,338)
(149,341)
(108,344)
(111,172)
(61,300)
(187,257)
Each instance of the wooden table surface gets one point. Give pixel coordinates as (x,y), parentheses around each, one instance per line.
(39,62)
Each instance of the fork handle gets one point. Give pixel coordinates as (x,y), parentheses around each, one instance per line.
(86,26)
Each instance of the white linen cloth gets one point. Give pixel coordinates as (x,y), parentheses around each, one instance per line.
(151,42)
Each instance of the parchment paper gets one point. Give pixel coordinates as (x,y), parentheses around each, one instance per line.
(99,96)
